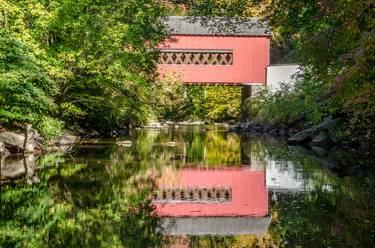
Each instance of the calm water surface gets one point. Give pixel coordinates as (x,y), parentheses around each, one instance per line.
(187,187)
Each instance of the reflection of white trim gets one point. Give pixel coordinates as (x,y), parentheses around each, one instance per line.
(283,65)
(182,50)
(285,190)
(215,225)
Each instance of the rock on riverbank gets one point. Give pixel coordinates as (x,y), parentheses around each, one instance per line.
(316,136)
(62,143)
(16,143)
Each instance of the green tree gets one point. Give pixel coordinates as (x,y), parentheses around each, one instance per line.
(26,91)
(89,64)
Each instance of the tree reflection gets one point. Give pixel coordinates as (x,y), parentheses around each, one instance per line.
(78,205)
(98,196)
(329,212)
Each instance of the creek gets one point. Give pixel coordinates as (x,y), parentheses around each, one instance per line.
(188,186)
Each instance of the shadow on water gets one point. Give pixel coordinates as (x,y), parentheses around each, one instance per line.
(187,187)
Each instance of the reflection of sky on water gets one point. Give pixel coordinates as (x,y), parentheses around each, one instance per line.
(284,177)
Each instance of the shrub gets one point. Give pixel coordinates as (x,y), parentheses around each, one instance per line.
(49,127)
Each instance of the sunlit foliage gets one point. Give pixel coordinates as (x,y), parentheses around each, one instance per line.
(87,64)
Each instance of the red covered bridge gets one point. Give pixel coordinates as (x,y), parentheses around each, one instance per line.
(221,51)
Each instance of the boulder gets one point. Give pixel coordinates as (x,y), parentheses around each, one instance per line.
(2,148)
(234,129)
(273,131)
(154,125)
(36,135)
(302,137)
(62,143)
(91,134)
(257,128)
(322,140)
(63,140)
(266,128)
(320,151)
(125,143)
(245,126)
(326,124)
(316,133)
(112,134)
(29,144)
(122,132)
(15,142)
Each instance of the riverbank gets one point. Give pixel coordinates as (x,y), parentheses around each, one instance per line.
(320,138)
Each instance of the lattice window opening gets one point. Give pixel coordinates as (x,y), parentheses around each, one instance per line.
(196,58)
(193,195)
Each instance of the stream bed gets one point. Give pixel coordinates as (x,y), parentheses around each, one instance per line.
(188,186)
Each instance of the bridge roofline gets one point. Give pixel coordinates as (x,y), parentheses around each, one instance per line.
(216,26)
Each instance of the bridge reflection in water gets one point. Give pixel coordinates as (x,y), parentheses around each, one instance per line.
(213,201)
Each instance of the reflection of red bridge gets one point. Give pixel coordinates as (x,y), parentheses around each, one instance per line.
(226,192)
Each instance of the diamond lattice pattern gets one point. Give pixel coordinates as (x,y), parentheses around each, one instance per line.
(195,58)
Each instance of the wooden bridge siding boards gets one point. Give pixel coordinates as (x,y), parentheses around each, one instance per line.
(249,196)
(250,59)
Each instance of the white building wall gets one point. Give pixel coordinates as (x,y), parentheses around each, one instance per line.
(277,74)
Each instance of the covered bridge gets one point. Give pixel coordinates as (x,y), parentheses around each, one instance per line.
(215,51)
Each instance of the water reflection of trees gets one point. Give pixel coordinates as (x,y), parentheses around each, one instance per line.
(342,217)
(78,205)
(212,148)
(329,211)
(97,196)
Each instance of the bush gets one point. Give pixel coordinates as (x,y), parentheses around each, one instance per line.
(305,99)
(26,92)
(49,127)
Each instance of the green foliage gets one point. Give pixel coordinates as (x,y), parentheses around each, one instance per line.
(291,103)
(25,90)
(222,103)
(87,64)
(230,8)
(49,127)
(196,98)
(171,100)
(335,41)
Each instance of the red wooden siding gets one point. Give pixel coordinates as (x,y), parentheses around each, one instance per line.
(249,195)
(250,59)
